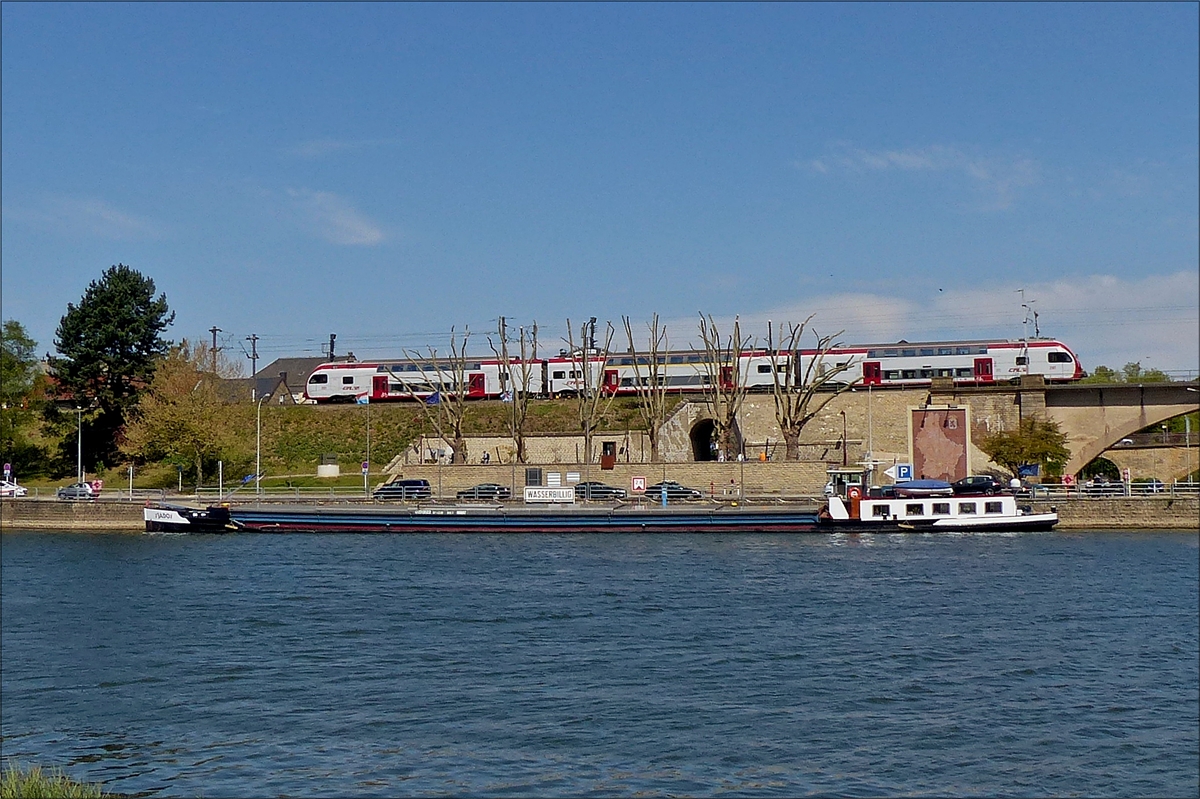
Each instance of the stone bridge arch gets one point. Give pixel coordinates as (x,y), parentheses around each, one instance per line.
(1095,417)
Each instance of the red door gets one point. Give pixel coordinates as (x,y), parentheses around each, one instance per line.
(476,385)
(872,373)
(379,387)
(611,381)
(983,370)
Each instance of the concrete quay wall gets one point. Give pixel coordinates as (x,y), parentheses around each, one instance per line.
(32,514)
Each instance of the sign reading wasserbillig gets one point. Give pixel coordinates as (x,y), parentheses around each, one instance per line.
(549,494)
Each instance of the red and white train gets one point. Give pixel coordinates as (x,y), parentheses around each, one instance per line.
(899,364)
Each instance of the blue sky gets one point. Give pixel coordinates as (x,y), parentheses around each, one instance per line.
(385,171)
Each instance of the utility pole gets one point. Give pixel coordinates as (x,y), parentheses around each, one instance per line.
(215,349)
(253,356)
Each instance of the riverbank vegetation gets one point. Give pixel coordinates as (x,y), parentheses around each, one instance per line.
(34,783)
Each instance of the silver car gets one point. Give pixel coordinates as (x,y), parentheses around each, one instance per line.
(76,491)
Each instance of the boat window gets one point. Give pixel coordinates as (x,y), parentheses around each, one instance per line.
(966,508)
(1059,357)
(890,353)
(316,379)
(945,350)
(909,353)
(926,351)
(347,380)
(764,368)
(992,507)
(914,509)
(882,511)
(942,508)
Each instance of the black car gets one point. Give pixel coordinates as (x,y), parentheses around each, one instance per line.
(485,491)
(595,490)
(404,489)
(978,484)
(674,491)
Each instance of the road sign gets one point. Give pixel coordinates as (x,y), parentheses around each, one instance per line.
(1125,474)
(7,470)
(637,485)
(1068,479)
(900,472)
(365,467)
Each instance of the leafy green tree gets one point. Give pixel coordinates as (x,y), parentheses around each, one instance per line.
(109,345)
(1035,441)
(1129,373)
(182,419)
(21,389)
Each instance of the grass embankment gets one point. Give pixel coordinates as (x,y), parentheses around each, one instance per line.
(295,437)
(33,783)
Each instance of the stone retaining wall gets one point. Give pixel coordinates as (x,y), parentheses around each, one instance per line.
(1137,513)
(31,514)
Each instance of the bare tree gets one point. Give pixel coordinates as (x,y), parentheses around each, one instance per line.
(725,386)
(652,385)
(797,381)
(445,407)
(516,376)
(593,398)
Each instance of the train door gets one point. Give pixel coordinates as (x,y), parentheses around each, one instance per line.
(476,385)
(726,376)
(379,387)
(983,370)
(872,373)
(612,380)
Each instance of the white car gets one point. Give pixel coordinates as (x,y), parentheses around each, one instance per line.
(11,489)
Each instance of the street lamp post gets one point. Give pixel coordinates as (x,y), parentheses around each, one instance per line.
(258,448)
(79,444)
(845,460)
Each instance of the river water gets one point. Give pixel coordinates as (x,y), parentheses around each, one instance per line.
(536,665)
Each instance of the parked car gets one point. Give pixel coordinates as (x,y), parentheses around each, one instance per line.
(485,491)
(674,491)
(596,490)
(11,489)
(403,490)
(978,484)
(76,491)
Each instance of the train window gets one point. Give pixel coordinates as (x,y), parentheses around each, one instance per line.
(782,367)
(908,374)
(626,381)
(962,350)
(945,372)
(395,387)
(872,353)
(909,353)
(675,359)
(625,362)
(966,508)
(695,359)
(915,509)
(981,350)
(992,507)
(926,352)
(894,374)
(890,353)
(1022,360)
(1059,357)
(945,350)
(559,375)
(764,368)
(575,373)
(348,380)
(964,373)
(942,508)
(927,373)
(317,379)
